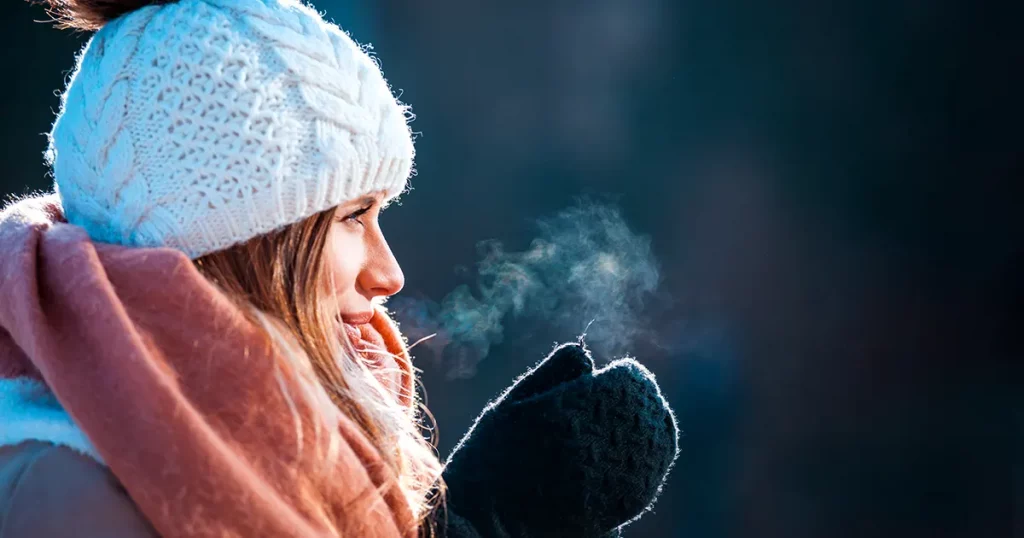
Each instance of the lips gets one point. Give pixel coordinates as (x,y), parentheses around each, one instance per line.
(359,318)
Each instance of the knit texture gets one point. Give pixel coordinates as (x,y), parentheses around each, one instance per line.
(204,123)
(211,431)
(566,451)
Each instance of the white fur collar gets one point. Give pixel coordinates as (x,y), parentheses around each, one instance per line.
(29,411)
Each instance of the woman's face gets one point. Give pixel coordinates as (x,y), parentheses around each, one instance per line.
(358,260)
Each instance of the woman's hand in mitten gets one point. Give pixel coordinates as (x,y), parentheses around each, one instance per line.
(566,451)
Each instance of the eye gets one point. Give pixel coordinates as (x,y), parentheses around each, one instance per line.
(354,217)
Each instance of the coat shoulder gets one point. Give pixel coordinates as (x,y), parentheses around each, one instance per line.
(51,490)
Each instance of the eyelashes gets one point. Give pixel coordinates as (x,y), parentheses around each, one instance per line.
(354,217)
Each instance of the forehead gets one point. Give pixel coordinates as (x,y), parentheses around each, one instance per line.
(365,200)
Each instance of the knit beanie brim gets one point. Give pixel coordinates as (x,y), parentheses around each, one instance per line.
(201,124)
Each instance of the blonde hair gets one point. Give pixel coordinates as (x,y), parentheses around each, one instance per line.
(279,279)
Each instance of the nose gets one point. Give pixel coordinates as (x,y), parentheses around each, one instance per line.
(381,276)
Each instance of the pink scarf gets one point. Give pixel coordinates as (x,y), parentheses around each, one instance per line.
(179,394)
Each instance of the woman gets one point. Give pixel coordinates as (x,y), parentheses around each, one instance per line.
(192,334)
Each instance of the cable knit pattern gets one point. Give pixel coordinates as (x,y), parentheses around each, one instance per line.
(204,123)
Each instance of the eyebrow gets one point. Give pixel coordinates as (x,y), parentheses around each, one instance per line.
(361,202)
(367,201)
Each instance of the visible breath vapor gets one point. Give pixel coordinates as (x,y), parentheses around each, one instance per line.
(586,271)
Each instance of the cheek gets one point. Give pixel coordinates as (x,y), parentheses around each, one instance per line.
(344,257)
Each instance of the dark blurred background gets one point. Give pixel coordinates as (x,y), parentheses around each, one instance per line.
(827,189)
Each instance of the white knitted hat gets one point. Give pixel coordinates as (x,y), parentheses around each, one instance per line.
(201,124)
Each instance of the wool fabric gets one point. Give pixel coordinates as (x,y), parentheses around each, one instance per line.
(200,124)
(178,393)
(567,451)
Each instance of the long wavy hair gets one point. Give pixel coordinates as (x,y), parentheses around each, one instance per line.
(281,279)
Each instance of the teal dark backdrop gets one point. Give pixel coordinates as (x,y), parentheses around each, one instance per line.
(827,187)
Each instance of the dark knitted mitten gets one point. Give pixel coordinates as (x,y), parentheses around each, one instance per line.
(566,451)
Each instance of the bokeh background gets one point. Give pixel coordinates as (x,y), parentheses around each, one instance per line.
(815,241)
